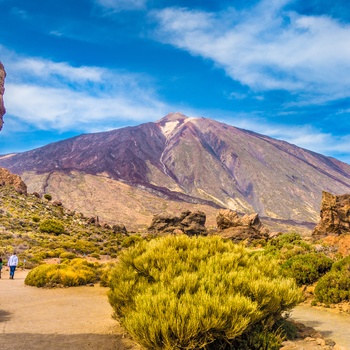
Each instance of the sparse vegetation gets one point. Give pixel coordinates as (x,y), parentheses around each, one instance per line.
(34,228)
(199,293)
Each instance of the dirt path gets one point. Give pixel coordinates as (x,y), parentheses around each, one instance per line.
(330,325)
(76,318)
(79,318)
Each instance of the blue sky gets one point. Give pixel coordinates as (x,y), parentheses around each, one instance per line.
(277,67)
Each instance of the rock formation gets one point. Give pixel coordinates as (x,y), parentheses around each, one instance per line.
(2,90)
(249,227)
(119,228)
(187,223)
(7,178)
(335,215)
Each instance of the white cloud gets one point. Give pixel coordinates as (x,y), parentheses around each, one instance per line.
(58,96)
(45,70)
(266,48)
(64,109)
(120,5)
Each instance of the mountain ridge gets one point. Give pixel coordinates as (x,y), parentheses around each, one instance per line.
(195,160)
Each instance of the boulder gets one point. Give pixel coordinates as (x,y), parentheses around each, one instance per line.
(94,220)
(9,179)
(119,228)
(248,227)
(188,223)
(334,215)
(2,90)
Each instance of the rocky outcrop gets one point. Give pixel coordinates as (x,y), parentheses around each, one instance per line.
(119,228)
(2,90)
(335,215)
(187,223)
(249,227)
(7,178)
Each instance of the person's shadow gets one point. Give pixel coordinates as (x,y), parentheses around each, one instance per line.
(4,316)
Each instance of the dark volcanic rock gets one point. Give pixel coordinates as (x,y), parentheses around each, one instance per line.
(7,178)
(188,223)
(335,215)
(248,227)
(119,228)
(2,90)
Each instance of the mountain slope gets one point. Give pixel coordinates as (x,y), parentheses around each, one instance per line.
(193,160)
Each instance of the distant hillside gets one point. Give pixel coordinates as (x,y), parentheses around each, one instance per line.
(129,174)
(26,221)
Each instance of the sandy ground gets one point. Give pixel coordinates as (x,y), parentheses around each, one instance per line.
(330,325)
(79,318)
(76,318)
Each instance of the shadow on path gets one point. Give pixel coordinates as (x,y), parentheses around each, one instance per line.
(58,341)
(5,316)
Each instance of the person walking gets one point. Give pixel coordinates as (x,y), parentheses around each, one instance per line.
(0,266)
(12,263)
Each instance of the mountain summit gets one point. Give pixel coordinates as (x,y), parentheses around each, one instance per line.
(185,160)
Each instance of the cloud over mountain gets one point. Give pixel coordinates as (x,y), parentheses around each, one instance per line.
(266,47)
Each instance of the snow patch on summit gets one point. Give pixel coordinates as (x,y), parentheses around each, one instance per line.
(168,127)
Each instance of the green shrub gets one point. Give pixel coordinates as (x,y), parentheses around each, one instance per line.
(178,292)
(285,239)
(260,338)
(307,268)
(342,265)
(68,255)
(36,218)
(334,286)
(105,277)
(95,255)
(287,245)
(48,196)
(71,273)
(51,226)
(130,241)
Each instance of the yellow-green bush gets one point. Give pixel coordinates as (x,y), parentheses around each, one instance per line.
(334,286)
(130,241)
(51,226)
(178,292)
(105,274)
(68,255)
(307,268)
(74,272)
(287,245)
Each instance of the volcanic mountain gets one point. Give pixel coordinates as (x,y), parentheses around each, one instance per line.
(129,174)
